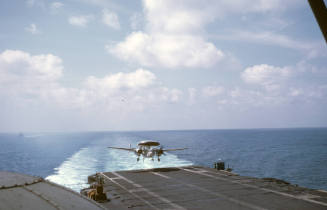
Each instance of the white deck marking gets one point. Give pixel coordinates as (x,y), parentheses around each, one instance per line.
(255,187)
(115,178)
(246,204)
(175,206)
(131,192)
(164,176)
(251,206)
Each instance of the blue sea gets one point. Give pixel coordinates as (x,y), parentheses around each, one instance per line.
(298,155)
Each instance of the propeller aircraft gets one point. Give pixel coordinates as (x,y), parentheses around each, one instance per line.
(148,149)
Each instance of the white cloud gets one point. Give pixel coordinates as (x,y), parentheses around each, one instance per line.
(268,76)
(139,79)
(27,79)
(175,36)
(110,19)
(18,64)
(137,90)
(32,29)
(32,82)
(172,38)
(166,50)
(281,86)
(80,21)
(176,17)
(210,91)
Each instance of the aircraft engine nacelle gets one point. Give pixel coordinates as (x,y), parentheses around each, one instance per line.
(138,151)
(160,151)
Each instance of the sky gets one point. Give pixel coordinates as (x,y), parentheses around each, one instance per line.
(107,65)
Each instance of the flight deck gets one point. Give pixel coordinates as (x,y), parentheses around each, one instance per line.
(195,187)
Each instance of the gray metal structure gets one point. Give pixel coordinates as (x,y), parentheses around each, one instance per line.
(20,191)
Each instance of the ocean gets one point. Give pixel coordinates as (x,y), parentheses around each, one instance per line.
(296,155)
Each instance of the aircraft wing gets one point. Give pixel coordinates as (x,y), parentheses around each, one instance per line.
(167,150)
(122,148)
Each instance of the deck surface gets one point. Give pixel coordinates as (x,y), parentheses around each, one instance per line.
(204,188)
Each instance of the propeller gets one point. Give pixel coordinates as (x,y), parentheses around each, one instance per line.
(161,151)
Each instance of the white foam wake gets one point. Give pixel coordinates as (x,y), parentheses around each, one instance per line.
(73,172)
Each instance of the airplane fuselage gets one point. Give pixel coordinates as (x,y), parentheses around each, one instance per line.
(147,152)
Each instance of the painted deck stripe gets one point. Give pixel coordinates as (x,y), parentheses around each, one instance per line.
(255,187)
(135,195)
(175,206)
(242,203)
(299,197)
(164,176)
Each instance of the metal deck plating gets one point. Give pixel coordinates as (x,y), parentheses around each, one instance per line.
(204,188)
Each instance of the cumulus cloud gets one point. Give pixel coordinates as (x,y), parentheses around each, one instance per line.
(18,64)
(170,51)
(139,79)
(268,76)
(134,91)
(272,85)
(110,19)
(172,38)
(29,78)
(34,81)
(175,36)
(80,21)
(35,78)
(174,32)
(176,17)
(32,29)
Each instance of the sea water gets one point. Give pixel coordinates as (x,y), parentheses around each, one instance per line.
(298,156)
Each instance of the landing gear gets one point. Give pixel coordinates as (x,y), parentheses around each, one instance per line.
(158,159)
(138,159)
